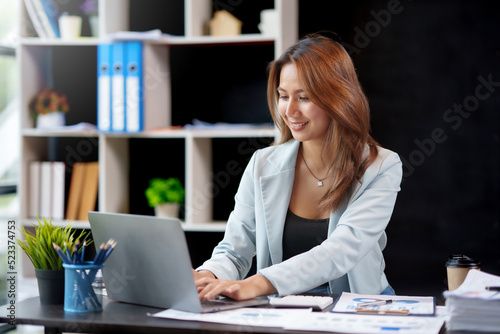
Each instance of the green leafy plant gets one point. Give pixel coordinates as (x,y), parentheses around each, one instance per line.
(164,191)
(38,245)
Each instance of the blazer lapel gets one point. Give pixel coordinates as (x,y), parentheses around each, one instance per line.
(276,188)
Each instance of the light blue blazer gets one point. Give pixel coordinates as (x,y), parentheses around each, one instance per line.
(350,259)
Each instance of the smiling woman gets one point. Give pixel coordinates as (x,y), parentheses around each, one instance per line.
(314,207)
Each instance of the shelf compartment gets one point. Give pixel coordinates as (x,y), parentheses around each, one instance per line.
(68,150)
(66,69)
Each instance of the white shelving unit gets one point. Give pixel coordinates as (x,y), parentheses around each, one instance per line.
(36,71)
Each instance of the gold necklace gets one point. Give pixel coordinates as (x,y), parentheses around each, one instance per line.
(320,181)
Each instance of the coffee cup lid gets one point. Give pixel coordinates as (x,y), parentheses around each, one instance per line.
(462,261)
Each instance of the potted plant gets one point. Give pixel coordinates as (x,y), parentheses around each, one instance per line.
(90,9)
(38,246)
(165,195)
(48,108)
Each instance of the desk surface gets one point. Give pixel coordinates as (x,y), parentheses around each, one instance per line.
(121,318)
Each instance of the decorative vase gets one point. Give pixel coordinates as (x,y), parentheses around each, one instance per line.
(51,120)
(50,286)
(170,210)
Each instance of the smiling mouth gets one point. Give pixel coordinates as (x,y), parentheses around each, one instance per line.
(298,126)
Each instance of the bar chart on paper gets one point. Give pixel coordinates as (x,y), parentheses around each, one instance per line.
(385,305)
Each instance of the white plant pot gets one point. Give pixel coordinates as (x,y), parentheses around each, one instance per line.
(51,120)
(94,25)
(170,210)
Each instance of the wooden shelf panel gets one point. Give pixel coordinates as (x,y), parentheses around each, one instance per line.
(78,224)
(81,224)
(48,133)
(226,133)
(170,40)
(82,41)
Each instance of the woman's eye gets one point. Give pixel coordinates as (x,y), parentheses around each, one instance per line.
(304,98)
(283,97)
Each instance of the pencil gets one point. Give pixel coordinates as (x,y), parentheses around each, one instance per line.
(76,258)
(60,253)
(75,251)
(111,247)
(83,251)
(99,254)
(67,252)
(389,312)
(374,303)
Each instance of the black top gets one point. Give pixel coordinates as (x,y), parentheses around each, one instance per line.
(301,234)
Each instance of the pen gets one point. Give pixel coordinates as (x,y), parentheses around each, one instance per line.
(374,303)
(371,311)
(493,288)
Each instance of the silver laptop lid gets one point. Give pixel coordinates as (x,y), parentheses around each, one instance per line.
(150,264)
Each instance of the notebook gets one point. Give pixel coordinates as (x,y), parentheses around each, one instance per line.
(151,264)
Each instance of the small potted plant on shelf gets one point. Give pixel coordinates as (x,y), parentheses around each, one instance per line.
(90,9)
(48,108)
(38,246)
(165,195)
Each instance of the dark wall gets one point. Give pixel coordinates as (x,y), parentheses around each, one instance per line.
(431,70)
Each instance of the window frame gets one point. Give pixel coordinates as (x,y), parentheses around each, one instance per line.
(8,188)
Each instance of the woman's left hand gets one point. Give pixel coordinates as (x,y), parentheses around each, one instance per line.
(254,286)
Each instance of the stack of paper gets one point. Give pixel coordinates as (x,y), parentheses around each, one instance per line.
(472,306)
(305,320)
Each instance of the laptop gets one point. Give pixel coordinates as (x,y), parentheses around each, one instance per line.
(151,265)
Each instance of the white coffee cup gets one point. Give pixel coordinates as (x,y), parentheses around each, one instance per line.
(268,22)
(70,26)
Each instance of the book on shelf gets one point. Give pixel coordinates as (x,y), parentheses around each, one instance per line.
(34,188)
(75,190)
(44,14)
(33,14)
(104,61)
(58,170)
(132,79)
(49,13)
(46,189)
(89,190)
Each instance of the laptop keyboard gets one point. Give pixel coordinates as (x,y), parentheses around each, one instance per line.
(218,302)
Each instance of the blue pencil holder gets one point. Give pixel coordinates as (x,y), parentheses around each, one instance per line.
(82,289)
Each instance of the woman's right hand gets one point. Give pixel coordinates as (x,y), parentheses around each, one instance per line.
(203,273)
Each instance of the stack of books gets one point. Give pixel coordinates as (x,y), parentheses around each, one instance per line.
(475,305)
(44,15)
(47,189)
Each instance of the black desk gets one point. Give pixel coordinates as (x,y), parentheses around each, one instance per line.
(121,318)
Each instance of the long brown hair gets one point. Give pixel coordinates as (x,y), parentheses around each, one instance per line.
(330,81)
